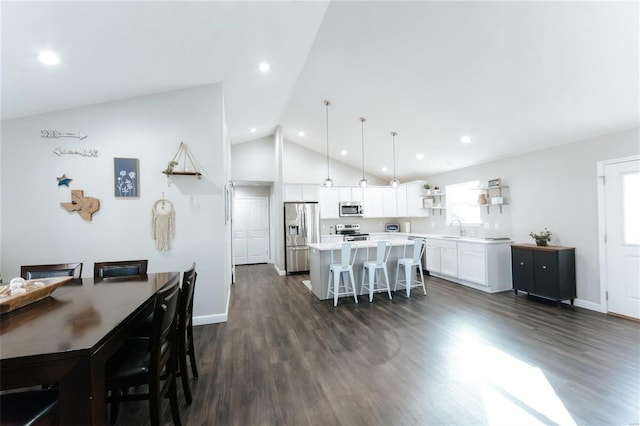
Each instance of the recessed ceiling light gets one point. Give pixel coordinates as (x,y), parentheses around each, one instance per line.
(384,169)
(48,57)
(419,156)
(343,152)
(465,139)
(301,133)
(264,67)
(253,130)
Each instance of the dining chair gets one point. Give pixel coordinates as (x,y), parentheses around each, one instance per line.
(407,264)
(148,361)
(185,344)
(30,407)
(120,269)
(377,268)
(32,272)
(343,269)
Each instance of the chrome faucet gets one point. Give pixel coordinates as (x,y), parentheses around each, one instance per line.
(459,223)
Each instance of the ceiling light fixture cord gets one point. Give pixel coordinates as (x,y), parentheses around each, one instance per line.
(395,182)
(363,182)
(327,182)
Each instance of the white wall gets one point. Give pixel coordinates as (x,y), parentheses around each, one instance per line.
(554,188)
(37,230)
(301,165)
(251,161)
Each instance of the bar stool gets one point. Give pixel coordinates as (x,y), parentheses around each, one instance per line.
(409,263)
(376,268)
(344,269)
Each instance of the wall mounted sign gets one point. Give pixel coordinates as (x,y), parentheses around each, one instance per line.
(64,180)
(56,134)
(85,152)
(126,178)
(85,206)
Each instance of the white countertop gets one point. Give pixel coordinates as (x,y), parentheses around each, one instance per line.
(484,240)
(359,244)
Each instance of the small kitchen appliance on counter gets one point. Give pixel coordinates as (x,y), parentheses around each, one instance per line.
(392,227)
(351,232)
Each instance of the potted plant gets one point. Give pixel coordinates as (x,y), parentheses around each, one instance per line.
(427,188)
(543,238)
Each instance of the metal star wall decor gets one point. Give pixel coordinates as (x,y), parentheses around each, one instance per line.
(64,180)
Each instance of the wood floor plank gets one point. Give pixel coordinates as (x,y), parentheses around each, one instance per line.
(455,356)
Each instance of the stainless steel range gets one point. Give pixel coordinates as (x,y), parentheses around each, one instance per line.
(351,232)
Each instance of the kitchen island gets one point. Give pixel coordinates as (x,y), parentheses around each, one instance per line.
(320,258)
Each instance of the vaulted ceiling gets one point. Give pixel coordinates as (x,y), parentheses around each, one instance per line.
(513,76)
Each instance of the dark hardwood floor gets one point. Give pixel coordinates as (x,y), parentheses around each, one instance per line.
(456,356)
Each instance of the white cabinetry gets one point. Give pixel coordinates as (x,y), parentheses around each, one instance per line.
(373,202)
(348,193)
(486,267)
(329,201)
(472,262)
(389,202)
(442,256)
(300,192)
(401,199)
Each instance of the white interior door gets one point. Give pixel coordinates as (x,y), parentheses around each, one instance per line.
(250,231)
(258,231)
(240,232)
(622,237)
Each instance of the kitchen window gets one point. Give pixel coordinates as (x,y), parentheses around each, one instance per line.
(462,202)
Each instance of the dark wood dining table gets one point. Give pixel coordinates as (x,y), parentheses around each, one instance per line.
(68,337)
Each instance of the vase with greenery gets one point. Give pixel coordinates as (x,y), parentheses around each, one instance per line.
(542,238)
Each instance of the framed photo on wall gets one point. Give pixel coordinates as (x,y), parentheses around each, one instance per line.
(494,183)
(126,179)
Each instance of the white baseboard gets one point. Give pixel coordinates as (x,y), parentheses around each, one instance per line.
(279,271)
(209,319)
(589,305)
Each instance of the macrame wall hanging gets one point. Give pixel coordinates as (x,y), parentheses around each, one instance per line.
(163,219)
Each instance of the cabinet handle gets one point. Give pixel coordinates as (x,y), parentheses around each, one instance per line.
(544,266)
(521,263)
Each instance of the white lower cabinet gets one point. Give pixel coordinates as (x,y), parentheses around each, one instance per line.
(482,266)
(472,262)
(334,239)
(442,256)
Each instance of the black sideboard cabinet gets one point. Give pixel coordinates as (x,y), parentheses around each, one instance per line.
(548,271)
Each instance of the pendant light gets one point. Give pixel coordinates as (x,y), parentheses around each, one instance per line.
(328,183)
(394,182)
(363,182)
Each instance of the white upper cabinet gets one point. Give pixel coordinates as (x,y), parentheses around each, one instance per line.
(373,202)
(389,202)
(401,199)
(300,192)
(329,200)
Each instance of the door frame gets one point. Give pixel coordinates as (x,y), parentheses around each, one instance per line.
(602,251)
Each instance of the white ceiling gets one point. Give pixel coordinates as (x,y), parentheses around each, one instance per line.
(515,76)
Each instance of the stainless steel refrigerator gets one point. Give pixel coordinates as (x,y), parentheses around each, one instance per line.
(301,227)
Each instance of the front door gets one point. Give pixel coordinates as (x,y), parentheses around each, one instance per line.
(622,237)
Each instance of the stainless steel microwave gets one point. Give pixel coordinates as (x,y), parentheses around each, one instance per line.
(351,208)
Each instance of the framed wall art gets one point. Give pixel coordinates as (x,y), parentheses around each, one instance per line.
(126,177)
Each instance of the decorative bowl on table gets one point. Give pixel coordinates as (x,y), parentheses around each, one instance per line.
(35,290)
